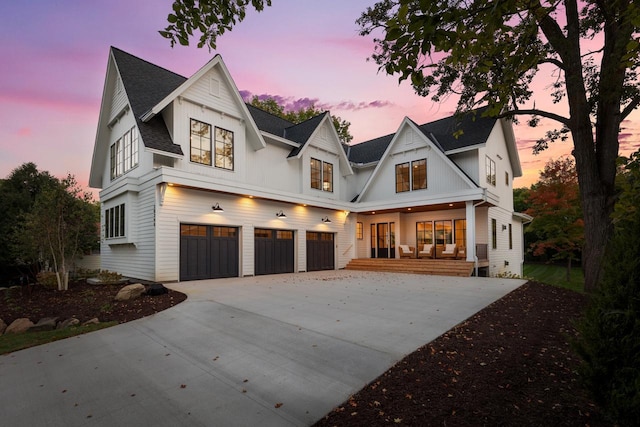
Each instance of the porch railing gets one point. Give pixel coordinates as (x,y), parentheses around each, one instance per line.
(482,251)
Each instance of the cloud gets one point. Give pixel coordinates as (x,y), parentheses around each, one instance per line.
(291,103)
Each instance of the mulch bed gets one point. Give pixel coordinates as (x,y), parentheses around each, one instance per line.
(509,365)
(82,301)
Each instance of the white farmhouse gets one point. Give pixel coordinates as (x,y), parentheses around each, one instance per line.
(197,184)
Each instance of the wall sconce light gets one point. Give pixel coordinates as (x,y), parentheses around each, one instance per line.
(326,220)
(280,214)
(217,208)
(506,263)
(504,227)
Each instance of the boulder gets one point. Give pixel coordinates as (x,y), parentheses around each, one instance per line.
(68,322)
(156,289)
(93,321)
(130,292)
(3,326)
(19,326)
(45,324)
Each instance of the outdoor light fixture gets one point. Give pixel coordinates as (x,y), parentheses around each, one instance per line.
(504,227)
(326,219)
(217,208)
(280,214)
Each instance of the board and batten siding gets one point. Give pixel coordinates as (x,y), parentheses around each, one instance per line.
(441,177)
(186,206)
(213,90)
(496,149)
(183,113)
(270,168)
(118,97)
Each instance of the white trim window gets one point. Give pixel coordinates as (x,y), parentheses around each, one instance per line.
(490,170)
(114,222)
(321,175)
(411,176)
(200,142)
(224,148)
(124,153)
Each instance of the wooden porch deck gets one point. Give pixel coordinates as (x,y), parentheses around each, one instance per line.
(438,267)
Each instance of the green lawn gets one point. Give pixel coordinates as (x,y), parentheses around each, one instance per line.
(555,275)
(14,342)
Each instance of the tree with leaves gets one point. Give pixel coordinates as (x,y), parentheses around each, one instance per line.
(18,193)
(609,333)
(270,105)
(488,52)
(61,225)
(557,217)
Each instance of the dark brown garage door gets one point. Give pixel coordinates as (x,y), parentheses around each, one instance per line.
(208,252)
(273,251)
(320,251)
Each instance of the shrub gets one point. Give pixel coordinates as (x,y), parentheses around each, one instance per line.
(609,340)
(109,277)
(47,279)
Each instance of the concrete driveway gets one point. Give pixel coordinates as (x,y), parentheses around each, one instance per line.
(270,350)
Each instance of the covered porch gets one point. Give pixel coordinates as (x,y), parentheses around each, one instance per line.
(429,238)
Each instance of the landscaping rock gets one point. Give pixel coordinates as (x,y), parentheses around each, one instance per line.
(19,326)
(156,289)
(45,324)
(130,292)
(68,322)
(93,321)
(3,326)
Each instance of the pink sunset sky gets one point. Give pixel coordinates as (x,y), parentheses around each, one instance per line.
(54,57)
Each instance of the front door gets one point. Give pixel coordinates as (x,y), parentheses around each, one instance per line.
(383,240)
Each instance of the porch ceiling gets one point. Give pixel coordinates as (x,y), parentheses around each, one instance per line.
(421,208)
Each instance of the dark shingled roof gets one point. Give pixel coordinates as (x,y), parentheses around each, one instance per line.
(278,126)
(268,122)
(476,130)
(301,132)
(146,85)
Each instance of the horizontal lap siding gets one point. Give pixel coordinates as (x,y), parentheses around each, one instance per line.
(502,253)
(135,259)
(194,207)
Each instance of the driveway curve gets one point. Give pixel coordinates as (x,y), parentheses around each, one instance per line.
(278,350)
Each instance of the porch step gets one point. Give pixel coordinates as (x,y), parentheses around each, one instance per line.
(438,267)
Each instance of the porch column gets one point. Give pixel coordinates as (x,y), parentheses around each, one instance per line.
(471,231)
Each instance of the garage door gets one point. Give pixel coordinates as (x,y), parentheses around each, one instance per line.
(320,251)
(208,252)
(273,251)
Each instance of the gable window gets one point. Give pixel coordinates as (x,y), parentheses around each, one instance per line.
(419,174)
(411,176)
(490,167)
(321,175)
(114,222)
(359,230)
(327,176)
(224,148)
(124,153)
(494,234)
(402,177)
(200,142)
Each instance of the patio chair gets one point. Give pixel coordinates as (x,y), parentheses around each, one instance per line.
(407,251)
(450,251)
(462,253)
(427,251)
